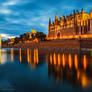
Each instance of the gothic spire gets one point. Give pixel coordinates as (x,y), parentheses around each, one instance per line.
(56,17)
(82,11)
(49,21)
(74,12)
(90,13)
(77,12)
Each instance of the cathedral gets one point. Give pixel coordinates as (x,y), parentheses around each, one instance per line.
(78,23)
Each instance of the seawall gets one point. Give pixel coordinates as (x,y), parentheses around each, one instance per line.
(73,43)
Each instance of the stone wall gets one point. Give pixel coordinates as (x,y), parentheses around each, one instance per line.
(62,32)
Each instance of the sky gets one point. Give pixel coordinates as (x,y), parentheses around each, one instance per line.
(20,16)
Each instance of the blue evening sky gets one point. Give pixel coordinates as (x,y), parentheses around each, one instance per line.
(20,16)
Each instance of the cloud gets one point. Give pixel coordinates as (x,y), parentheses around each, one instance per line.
(7,36)
(4,7)
(5,11)
(9,3)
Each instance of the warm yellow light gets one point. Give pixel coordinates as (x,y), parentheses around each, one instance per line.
(78,74)
(36,58)
(59,59)
(3,56)
(54,58)
(20,57)
(84,81)
(51,58)
(84,61)
(71,37)
(76,61)
(30,36)
(33,31)
(12,54)
(28,56)
(63,59)
(76,36)
(70,61)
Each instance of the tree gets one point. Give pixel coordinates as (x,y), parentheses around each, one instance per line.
(16,40)
(25,36)
(40,35)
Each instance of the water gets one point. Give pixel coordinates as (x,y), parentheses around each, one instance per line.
(45,70)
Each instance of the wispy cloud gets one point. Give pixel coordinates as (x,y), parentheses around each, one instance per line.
(10,3)
(5,11)
(4,7)
(7,36)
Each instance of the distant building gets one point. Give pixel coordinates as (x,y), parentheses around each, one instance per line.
(74,24)
(11,41)
(30,36)
(33,31)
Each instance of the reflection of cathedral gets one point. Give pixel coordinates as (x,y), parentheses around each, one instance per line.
(29,56)
(71,67)
(76,24)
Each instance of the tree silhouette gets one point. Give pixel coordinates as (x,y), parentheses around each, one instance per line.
(40,35)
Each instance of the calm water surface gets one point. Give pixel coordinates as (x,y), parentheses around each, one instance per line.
(45,70)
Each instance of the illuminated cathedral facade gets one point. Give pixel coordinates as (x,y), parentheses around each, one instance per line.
(78,23)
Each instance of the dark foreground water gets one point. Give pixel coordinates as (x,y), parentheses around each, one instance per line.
(45,70)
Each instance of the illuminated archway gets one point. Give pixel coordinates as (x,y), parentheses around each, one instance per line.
(58,35)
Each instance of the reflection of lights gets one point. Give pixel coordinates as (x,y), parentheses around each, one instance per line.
(30,56)
(78,74)
(84,80)
(0,55)
(54,58)
(76,61)
(51,58)
(58,59)
(20,57)
(63,59)
(47,58)
(70,61)
(28,59)
(3,56)
(32,64)
(12,54)
(36,58)
(84,61)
